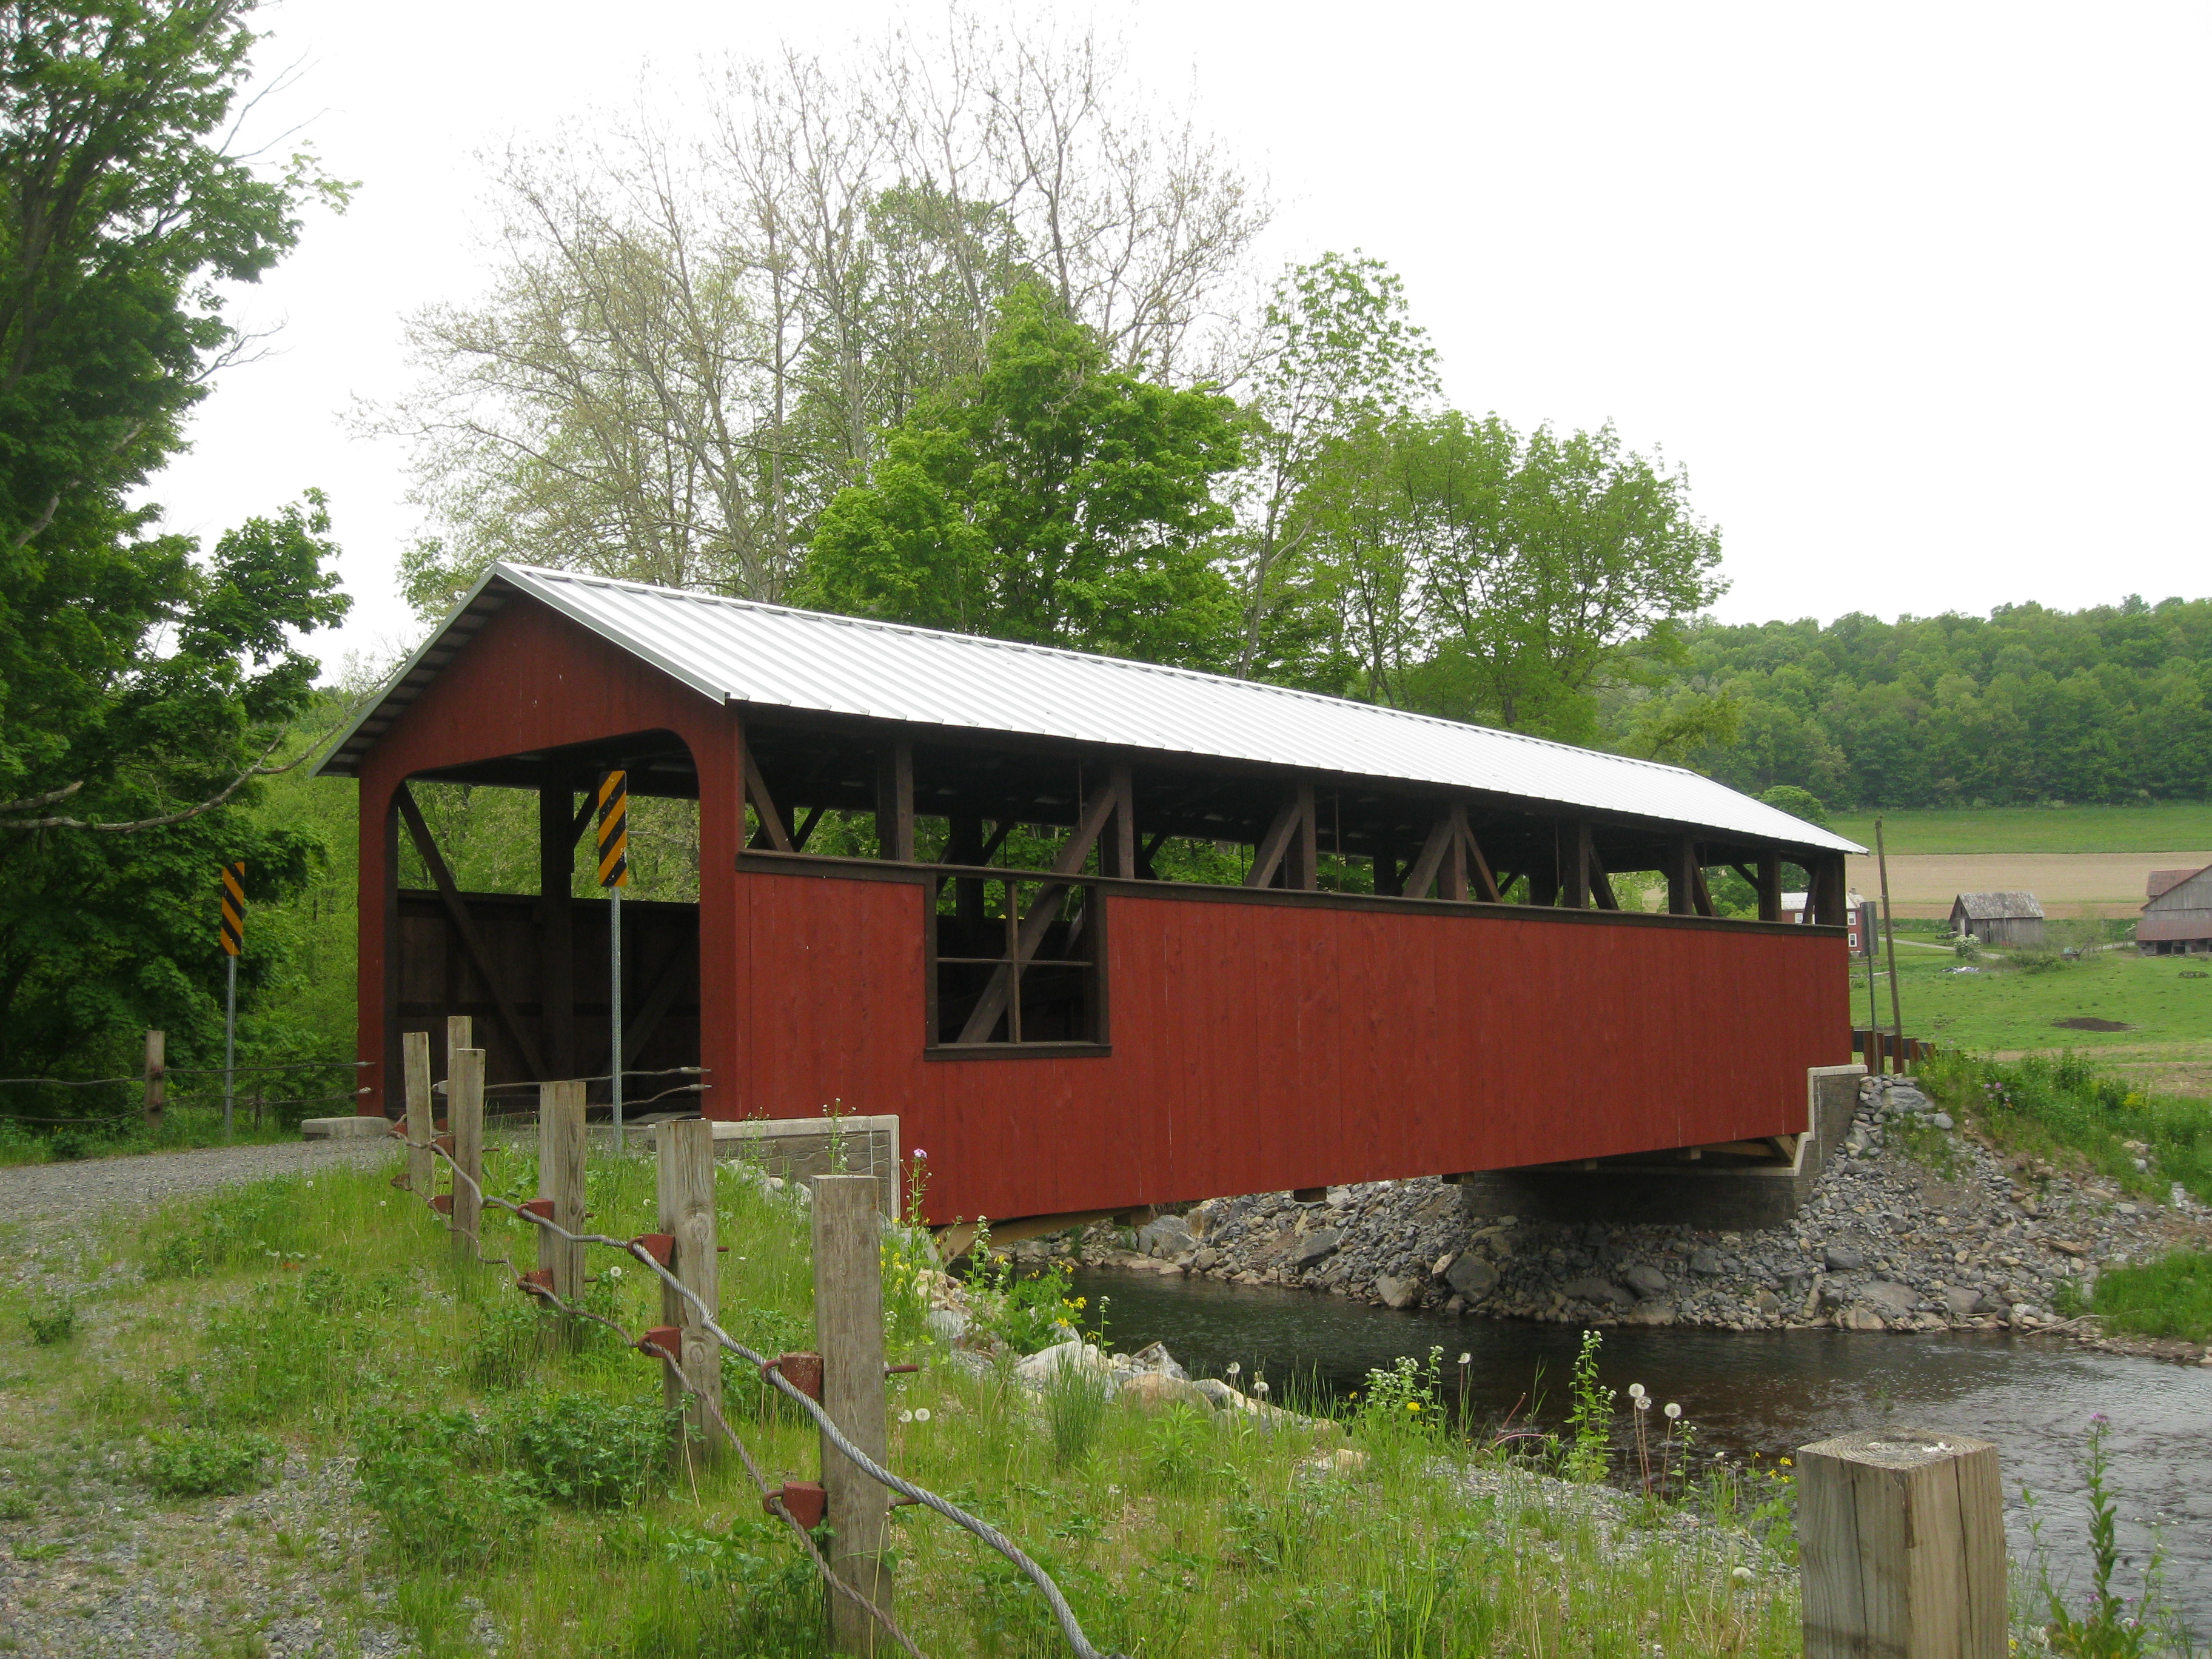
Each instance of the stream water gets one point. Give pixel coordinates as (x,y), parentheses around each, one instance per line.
(1763,1391)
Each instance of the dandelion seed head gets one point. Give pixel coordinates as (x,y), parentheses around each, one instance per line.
(1674,1411)
(921,1413)
(1643,1402)
(1464,1358)
(1636,1391)
(1233,1368)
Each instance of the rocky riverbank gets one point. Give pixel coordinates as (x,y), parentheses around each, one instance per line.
(1916,1225)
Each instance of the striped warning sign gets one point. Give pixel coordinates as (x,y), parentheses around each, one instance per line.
(234,908)
(614,830)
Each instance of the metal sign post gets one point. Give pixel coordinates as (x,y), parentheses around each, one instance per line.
(234,941)
(614,875)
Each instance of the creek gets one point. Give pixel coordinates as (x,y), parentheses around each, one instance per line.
(1764,1392)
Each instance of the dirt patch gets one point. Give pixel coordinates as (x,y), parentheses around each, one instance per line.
(2065,884)
(2085,1023)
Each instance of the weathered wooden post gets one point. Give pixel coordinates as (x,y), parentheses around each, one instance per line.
(157,1076)
(848,1328)
(1901,1544)
(464,1080)
(685,1177)
(422,1165)
(561,1181)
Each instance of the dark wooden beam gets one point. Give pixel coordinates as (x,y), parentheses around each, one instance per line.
(1430,860)
(1267,857)
(1700,893)
(1601,883)
(1117,849)
(1682,880)
(1486,884)
(1577,859)
(1302,864)
(895,802)
(1770,886)
(806,827)
(1146,852)
(764,807)
(457,912)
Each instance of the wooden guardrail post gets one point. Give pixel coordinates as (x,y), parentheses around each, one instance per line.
(848,1329)
(422,1165)
(157,1076)
(1900,1539)
(464,1081)
(684,1174)
(560,1180)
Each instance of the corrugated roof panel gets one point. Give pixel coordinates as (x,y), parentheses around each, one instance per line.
(740,651)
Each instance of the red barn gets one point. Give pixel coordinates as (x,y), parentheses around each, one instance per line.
(1271,939)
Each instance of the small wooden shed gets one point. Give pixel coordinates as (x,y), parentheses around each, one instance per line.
(2178,918)
(1998,918)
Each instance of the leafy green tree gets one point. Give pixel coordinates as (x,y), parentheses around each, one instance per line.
(141,686)
(1341,361)
(1050,499)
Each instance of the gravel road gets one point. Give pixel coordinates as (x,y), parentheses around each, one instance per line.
(31,1192)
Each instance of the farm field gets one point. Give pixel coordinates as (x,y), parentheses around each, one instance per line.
(2109,884)
(2165,827)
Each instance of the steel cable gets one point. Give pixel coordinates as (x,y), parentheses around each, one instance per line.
(1063,1615)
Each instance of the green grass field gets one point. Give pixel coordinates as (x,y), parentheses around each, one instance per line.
(2169,826)
(2004,1008)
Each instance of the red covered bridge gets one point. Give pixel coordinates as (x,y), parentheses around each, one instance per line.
(1272,940)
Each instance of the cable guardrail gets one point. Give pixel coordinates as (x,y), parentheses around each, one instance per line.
(1063,1615)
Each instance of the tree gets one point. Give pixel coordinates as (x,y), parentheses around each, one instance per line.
(690,348)
(1050,499)
(1544,558)
(139,685)
(1341,360)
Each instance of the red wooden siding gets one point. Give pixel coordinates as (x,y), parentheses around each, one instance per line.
(1258,1046)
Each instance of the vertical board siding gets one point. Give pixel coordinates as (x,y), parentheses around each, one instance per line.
(1258,1046)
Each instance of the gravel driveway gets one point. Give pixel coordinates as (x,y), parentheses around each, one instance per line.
(30,1192)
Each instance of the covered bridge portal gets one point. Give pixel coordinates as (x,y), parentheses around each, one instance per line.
(1176,993)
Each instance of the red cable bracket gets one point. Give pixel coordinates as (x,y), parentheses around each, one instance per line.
(802,1370)
(443,1204)
(667,1337)
(662,1247)
(805,1500)
(538,1282)
(540,1208)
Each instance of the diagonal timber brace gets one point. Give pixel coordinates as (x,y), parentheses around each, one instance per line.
(457,912)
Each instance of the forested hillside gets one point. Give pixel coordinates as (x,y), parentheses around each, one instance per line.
(2112,704)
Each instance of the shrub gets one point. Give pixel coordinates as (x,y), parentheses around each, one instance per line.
(433,1478)
(585,1451)
(2170,1296)
(201,1463)
(53,1324)
(1025,1312)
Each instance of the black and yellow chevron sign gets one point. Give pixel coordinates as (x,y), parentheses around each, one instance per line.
(234,908)
(614,830)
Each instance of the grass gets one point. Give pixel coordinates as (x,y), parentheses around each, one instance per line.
(2013,1004)
(2068,1110)
(2166,826)
(327,1315)
(2171,1296)
(183,1129)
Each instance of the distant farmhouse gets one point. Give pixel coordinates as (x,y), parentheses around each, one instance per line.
(2177,919)
(1858,914)
(1998,918)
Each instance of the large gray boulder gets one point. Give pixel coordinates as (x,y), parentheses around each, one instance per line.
(1590,1288)
(1316,1248)
(1646,1280)
(1472,1277)
(1844,1258)
(1167,1237)
(1890,1298)
(1396,1292)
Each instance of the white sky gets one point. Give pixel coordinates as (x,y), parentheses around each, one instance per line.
(1916,293)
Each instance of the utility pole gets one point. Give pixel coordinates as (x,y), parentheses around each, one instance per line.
(234,941)
(614,875)
(1889,932)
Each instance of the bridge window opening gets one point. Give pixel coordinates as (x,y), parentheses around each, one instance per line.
(1016,962)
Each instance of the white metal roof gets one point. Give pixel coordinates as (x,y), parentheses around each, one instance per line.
(741,651)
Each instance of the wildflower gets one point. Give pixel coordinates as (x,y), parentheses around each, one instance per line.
(918,1152)
(1464,1358)
(921,1413)
(1643,1402)
(1636,1391)
(906,1417)
(1741,1571)
(1674,1411)
(1234,1368)
(1259,1385)
(613,1271)
(1785,1463)
(1412,1405)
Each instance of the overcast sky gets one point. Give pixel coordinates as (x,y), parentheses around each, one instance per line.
(1918,293)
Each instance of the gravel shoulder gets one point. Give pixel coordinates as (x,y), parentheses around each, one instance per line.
(32,1192)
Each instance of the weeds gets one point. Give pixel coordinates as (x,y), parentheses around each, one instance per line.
(2049,1108)
(1589,1417)
(2110,1627)
(2171,1296)
(52,1324)
(201,1463)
